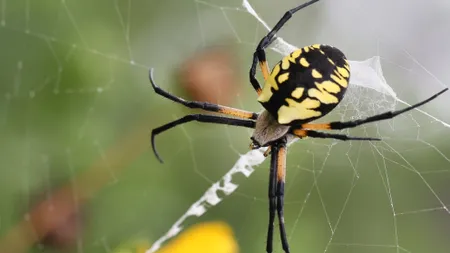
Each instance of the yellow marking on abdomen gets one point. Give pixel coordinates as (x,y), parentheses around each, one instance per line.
(296,110)
(316,74)
(270,83)
(339,80)
(323,97)
(328,86)
(283,77)
(287,60)
(310,103)
(296,53)
(285,63)
(343,72)
(298,92)
(304,62)
(323,91)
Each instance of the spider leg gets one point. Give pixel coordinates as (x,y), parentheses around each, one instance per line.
(272,197)
(200,118)
(276,194)
(268,151)
(269,38)
(260,55)
(337,125)
(264,67)
(281,178)
(202,105)
(302,133)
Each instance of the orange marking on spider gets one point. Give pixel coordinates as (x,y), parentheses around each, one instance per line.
(264,69)
(317,126)
(300,133)
(281,170)
(236,112)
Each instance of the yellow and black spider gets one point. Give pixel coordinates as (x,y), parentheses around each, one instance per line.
(302,87)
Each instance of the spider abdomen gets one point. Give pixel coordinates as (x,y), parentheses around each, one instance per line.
(306,85)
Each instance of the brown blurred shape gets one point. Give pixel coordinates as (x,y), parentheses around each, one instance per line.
(211,75)
(67,229)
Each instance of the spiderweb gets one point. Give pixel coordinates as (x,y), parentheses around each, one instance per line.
(76,108)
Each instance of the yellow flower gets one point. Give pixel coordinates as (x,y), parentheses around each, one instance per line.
(209,237)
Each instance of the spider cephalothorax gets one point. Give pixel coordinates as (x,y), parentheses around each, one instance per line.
(304,86)
(267,130)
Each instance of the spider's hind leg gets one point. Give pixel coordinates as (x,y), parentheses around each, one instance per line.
(276,194)
(338,125)
(302,133)
(281,179)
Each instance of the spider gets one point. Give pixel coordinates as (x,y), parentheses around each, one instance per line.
(304,86)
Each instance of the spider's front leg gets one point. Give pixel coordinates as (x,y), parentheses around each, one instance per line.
(203,105)
(260,54)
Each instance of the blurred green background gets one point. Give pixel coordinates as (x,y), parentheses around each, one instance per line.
(76,110)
